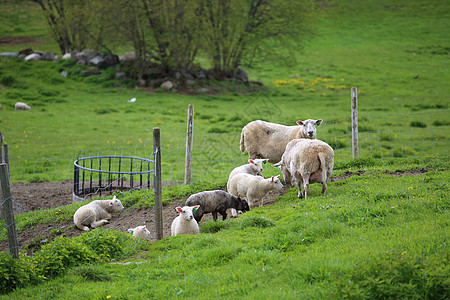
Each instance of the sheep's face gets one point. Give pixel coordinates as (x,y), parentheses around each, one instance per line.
(275,180)
(187,212)
(309,127)
(244,205)
(116,204)
(257,164)
(141,231)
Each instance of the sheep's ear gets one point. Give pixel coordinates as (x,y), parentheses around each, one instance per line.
(318,122)
(130,231)
(114,198)
(299,122)
(196,207)
(272,178)
(178,209)
(276,165)
(265,160)
(251,161)
(111,203)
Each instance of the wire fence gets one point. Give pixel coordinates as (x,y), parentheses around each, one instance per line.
(46,185)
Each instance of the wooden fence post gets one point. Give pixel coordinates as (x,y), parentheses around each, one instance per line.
(354,96)
(8,210)
(157,182)
(189,140)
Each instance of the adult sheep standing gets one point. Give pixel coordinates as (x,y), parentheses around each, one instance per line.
(214,202)
(96,213)
(268,140)
(307,161)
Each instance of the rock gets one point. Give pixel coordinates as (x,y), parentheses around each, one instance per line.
(167,85)
(241,75)
(129,56)
(201,74)
(81,62)
(33,57)
(9,54)
(67,56)
(111,60)
(120,75)
(190,82)
(26,51)
(64,74)
(98,62)
(49,56)
(86,54)
(203,90)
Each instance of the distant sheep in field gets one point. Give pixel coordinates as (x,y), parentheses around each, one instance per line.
(214,202)
(254,167)
(21,106)
(307,161)
(96,213)
(185,222)
(140,232)
(253,188)
(268,140)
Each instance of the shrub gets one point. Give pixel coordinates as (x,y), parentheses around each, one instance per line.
(213,226)
(418,124)
(7,80)
(255,221)
(441,123)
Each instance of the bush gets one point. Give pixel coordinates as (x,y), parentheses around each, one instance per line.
(418,124)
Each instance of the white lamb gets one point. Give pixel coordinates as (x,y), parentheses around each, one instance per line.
(21,106)
(307,161)
(185,222)
(141,232)
(96,213)
(268,140)
(254,167)
(253,188)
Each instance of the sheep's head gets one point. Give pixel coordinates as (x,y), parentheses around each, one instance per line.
(309,127)
(257,164)
(116,204)
(244,205)
(187,212)
(141,232)
(275,180)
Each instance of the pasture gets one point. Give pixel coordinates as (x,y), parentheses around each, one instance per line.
(381,231)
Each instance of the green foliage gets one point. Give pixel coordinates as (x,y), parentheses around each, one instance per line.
(91,272)
(255,221)
(418,124)
(214,226)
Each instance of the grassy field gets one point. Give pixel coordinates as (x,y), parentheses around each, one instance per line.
(376,235)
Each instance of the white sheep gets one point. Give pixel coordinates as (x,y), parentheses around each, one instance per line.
(307,161)
(185,222)
(254,167)
(21,106)
(268,140)
(140,232)
(96,213)
(214,202)
(253,188)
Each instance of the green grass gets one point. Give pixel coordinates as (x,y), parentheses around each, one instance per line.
(374,235)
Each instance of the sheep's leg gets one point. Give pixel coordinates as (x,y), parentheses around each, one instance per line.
(324,187)
(233,213)
(99,223)
(306,186)
(214,214)
(224,214)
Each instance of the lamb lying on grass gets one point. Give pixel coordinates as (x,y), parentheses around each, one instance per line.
(141,232)
(185,223)
(307,161)
(96,213)
(214,202)
(253,188)
(268,140)
(254,167)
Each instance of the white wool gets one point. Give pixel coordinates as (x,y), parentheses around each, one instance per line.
(307,161)
(268,140)
(253,188)
(21,106)
(140,232)
(185,222)
(96,213)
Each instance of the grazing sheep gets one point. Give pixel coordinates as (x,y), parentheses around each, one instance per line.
(21,106)
(96,213)
(254,188)
(307,161)
(254,167)
(140,232)
(214,202)
(185,223)
(268,140)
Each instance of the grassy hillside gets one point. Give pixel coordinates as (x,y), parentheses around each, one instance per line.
(382,233)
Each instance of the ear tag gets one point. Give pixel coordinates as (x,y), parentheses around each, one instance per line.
(264,161)
(132,231)
(318,123)
(194,210)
